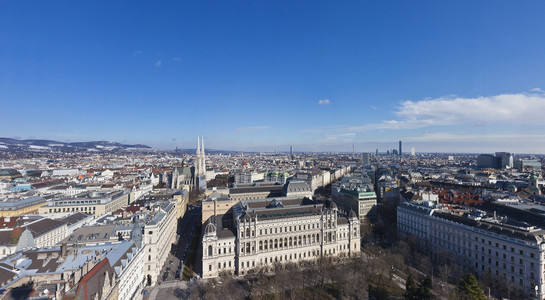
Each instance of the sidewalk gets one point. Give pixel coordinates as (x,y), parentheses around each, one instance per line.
(166,290)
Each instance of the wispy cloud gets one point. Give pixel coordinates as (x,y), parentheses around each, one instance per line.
(158,63)
(177,59)
(338,137)
(324,102)
(136,53)
(537,90)
(440,137)
(249,129)
(508,109)
(465,118)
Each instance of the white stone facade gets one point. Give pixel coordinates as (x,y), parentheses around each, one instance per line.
(278,235)
(131,274)
(159,235)
(481,246)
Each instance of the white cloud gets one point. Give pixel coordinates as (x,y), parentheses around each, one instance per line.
(508,109)
(177,59)
(324,102)
(339,137)
(158,63)
(485,122)
(537,90)
(136,53)
(439,137)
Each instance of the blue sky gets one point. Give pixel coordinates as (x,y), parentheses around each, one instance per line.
(448,76)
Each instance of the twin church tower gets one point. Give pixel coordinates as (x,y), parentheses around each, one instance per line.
(187,177)
(200,162)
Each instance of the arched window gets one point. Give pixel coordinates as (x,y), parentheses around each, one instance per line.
(247,232)
(210,250)
(260,245)
(247,247)
(275,243)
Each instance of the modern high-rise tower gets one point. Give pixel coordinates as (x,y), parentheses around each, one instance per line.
(400,152)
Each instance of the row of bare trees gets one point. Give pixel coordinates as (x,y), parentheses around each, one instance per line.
(340,278)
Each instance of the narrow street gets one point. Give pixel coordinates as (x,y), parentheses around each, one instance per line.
(173,266)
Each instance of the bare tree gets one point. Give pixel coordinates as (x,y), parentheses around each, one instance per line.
(444,272)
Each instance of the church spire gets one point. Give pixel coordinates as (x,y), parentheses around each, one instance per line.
(200,165)
(203,163)
(198,146)
(202,146)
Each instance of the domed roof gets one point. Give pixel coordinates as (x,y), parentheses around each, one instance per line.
(352,214)
(210,229)
(333,205)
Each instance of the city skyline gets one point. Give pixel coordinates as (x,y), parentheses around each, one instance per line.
(441,77)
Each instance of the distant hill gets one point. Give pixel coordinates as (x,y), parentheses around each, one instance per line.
(49,145)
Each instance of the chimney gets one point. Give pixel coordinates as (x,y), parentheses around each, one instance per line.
(63,250)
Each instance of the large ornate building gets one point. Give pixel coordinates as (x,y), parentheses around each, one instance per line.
(263,232)
(183,177)
(497,246)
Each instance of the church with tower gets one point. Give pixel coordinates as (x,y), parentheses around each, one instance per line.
(191,177)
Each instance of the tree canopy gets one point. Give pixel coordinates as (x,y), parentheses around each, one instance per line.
(469,287)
